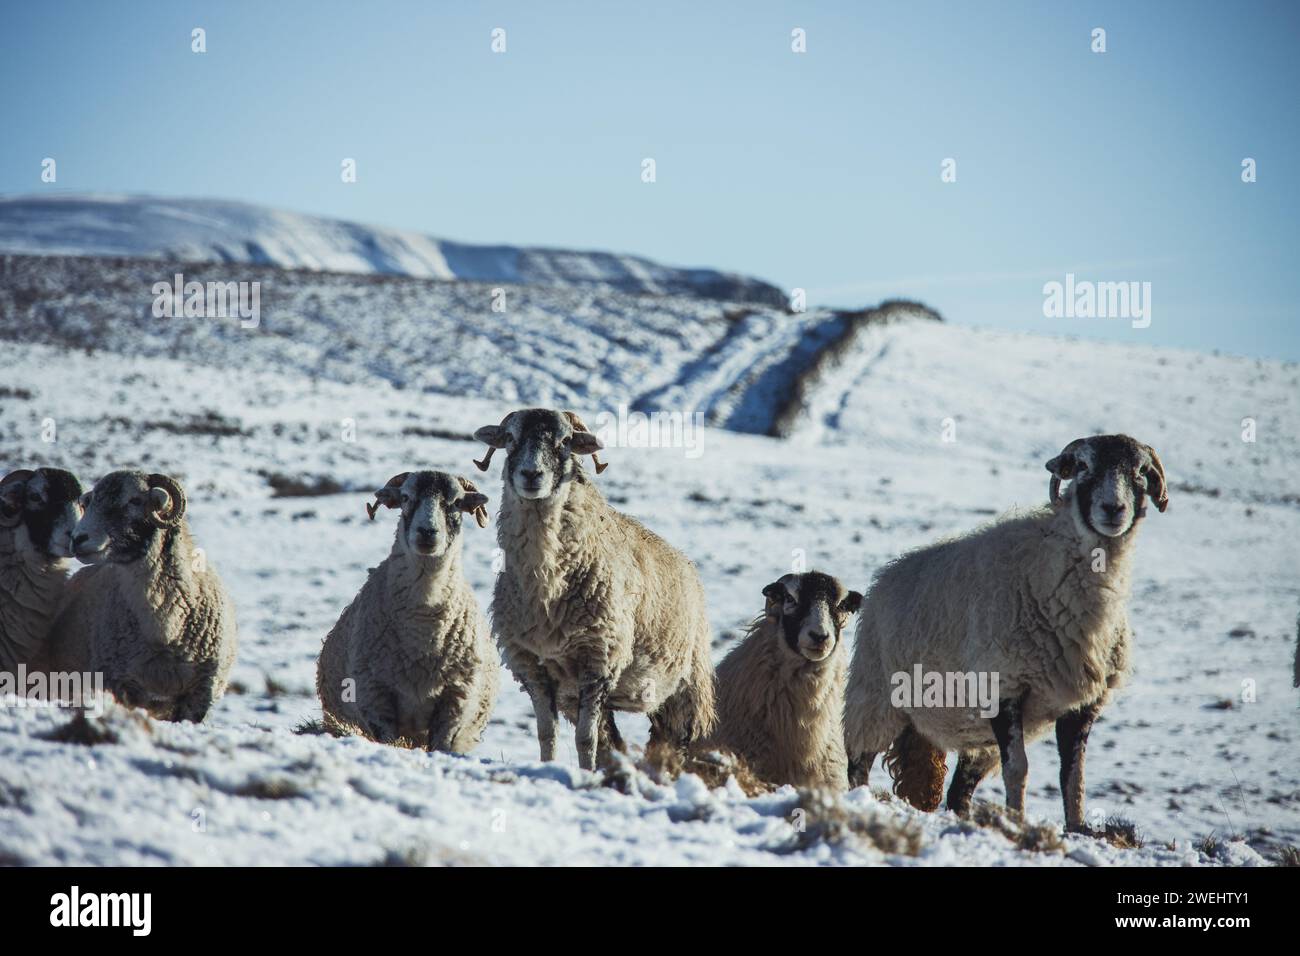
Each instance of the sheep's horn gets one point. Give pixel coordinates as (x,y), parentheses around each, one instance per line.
(171,517)
(13,478)
(580,426)
(394,482)
(1157,471)
(480,513)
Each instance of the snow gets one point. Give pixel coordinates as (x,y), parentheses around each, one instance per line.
(865,475)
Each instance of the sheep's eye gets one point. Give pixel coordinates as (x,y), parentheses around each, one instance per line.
(406,499)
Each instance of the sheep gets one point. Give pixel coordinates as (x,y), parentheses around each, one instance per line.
(781,689)
(1036,600)
(593,612)
(38,510)
(150,613)
(411,657)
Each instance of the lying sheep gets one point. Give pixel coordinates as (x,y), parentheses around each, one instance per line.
(593,613)
(411,656)
(781,689)
(150,613)
(1037,599)
(38,510)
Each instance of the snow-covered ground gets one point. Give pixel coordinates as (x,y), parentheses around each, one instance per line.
(208,230)
(1203,740)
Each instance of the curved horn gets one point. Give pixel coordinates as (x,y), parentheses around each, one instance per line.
(497,442)
(13,478)
(1062,468)
(1156,473)
(480,513)
(172,516)
(579,426)
(382,499)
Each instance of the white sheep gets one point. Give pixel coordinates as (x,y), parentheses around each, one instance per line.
(593,613)
(411,657)
(38,510)
(781,689)
(1036,599)
(150,614)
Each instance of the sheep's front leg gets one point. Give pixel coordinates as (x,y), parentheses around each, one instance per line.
(1010,734)
(593,691)
(1071,743)
(860,769)
(541,691)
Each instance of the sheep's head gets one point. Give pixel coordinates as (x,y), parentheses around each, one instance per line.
(811,610)
(432,503)
(1111,476)
(125,513)
(45,505)
(542,449)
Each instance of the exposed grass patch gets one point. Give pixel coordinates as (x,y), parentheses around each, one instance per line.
(664,764)
(1288,856)
(294,486)
(822,817)
(89,732)
(1026,835)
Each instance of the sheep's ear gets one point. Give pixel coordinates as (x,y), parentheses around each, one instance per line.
(494,436)
(775,594)
(853,603)
(585,443)
(388,496)
(1063,466)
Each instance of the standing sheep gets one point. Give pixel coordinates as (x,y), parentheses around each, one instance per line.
(1036,599)
(593,613)
(411,656)
(150,614)
(781,689)
(38,510)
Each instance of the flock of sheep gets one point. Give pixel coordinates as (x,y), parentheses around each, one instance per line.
(594,614)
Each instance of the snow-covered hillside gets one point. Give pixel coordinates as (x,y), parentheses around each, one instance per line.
(326,394)
(204,230)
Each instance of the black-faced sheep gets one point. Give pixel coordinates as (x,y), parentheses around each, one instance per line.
(150,614)
(781,689)
(411,657)
(38,510)
(593,613)
(1036,599)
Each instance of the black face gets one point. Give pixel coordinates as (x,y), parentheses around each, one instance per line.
(117,524)
(539,452)
(48,504)
(432,505)
(812,609)
(1112,476)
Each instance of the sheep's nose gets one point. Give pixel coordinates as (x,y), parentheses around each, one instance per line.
(530,474)
(818,637)
(425,534)
(1112,511)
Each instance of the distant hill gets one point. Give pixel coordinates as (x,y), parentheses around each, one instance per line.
(203,230)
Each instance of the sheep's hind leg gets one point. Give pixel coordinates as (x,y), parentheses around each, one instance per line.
(1071,743)
(1010,734)
(972,767)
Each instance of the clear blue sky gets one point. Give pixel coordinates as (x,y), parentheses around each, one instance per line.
(819,170)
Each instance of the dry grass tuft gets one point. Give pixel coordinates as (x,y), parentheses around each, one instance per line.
(822,817)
